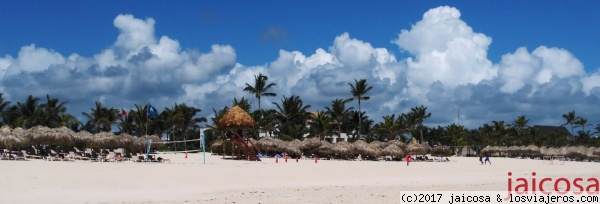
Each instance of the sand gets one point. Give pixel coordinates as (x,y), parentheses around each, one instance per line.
(188,180)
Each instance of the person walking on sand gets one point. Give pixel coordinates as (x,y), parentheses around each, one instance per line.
(481,158)
(487,159)
(408,159)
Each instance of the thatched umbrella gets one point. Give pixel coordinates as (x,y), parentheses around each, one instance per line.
(309,144)
(590,151)
(563,151)
(342,148)
(124,140)
(502,149)
(416,149)
(359,146)
(441,150)
(9,141)
(5,130)
(293,147)
(378,143)
(487,149)
(513,150)
(266,144)
(236,117)
(426,146)
(577,152)
(279,145)
(103,140)
(141,143)
(543,150)
(392,150)
(372,151)
(84,138)
(61,136)
(39,135)
(533,150)
(552,151)
(325,148)
(398,143)
(216,144)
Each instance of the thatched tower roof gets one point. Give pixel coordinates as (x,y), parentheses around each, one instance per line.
(236,116)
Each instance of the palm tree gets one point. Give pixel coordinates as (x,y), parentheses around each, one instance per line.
(570,118)
(4,105)
(68,120)
(100,118)
(260,87)
(597,128)
(28,111)
(319,124)
(520,124)
(456,134)
(51,112)
(292,112)
(243,103)
(581,122)
(357,118)
(185,119)
(389,127)
(339,113)
(420,114)
(359,90)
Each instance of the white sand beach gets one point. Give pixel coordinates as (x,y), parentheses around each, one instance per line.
(225,181)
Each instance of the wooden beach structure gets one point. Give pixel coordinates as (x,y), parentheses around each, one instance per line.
(235,120)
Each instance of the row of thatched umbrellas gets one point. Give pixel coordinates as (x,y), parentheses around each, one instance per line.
(18,138)
(394,148)
(532,150)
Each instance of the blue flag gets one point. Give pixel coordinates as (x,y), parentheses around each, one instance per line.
(151,111)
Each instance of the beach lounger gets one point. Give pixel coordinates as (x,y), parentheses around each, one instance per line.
(53,157)
(27,155)
(4,156)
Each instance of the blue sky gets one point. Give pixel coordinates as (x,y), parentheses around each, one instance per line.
(220,45)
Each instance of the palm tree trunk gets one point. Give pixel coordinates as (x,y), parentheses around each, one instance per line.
(359,119)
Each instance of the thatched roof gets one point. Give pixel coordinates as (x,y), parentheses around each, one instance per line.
(487,149)
(372,150)
(532,149)
(293,147)
(310,143)
(398,143)
(359,146)
(5,130)
(9,141)
(392,150)
(552,151)
(441,150)
(380,144)
(325,148)
(236,117)
(416,149)
(266,144)
(342,148)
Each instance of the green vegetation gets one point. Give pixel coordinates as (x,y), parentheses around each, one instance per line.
(291,119)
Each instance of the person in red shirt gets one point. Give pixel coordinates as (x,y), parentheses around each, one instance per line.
(408,159)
